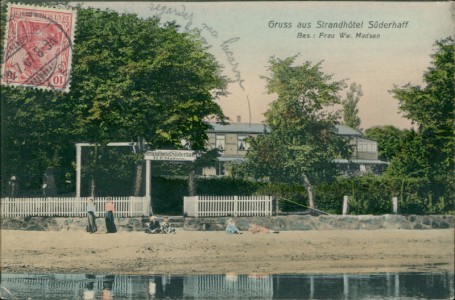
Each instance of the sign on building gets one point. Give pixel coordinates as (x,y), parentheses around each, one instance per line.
(171,155)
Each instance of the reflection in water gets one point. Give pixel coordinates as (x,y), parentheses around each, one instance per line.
(89,293)
(107,287)
(230,286)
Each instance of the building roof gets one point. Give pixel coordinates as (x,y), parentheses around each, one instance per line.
(260,128)
(239,127)
(345,130)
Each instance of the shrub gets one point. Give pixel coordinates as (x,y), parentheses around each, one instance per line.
(368,194)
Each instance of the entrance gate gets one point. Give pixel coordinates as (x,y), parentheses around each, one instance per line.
(162,155)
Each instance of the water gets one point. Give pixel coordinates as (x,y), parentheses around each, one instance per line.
(230,286)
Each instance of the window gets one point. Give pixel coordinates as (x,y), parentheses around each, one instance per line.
(220,168)
(367,147)
(220,141)
(242,144)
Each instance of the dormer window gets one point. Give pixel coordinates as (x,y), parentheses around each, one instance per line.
(371,147)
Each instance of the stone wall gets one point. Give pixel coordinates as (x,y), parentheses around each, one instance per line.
(68,224)
(291,222)
(324,222)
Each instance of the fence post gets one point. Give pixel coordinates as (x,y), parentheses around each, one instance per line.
(6,207)
(270,198)
(235,205)
(345,205)
(145,206)
(130,206)
(395,207)
(195,201)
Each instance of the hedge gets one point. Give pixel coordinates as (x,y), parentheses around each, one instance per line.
(367,194)
(373,195)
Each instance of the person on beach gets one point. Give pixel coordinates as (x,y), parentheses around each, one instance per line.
(109,216)
(231,228)
(91,210)
(154,226)
(166,226)
(254,228)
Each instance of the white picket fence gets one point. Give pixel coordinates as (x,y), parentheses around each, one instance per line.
(221,206)
(71,206)
(210,286)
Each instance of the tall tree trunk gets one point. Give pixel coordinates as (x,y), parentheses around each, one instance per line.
(192,183)
(138,179)
(310,190)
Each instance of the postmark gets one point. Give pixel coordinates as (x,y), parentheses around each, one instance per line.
(38,47)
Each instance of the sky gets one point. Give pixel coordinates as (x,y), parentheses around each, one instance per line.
(244,35)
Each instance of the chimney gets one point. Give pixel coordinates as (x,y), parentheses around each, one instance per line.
(239,119)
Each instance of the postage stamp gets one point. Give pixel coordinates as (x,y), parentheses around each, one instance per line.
(38,47)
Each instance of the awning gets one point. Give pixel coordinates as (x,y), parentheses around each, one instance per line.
(361,161)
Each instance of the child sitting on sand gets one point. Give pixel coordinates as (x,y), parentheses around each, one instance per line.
(231,228)
(154,226)
(166,227)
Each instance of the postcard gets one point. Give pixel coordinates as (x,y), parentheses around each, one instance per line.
(56,111)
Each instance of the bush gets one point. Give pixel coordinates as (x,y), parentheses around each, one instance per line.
(290,197)
(367,194)
(373,195)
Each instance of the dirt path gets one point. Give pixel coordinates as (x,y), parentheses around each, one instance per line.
(193,252)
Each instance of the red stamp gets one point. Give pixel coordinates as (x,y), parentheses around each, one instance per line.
(38,47)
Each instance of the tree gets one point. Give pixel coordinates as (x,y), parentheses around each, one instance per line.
(132,80)
(389,138)
(160,89)
(410,161)
(431,107)
(302,142)
(350,110)
(36,135)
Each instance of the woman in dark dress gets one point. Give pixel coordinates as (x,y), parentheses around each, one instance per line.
(109,216)
(91,210)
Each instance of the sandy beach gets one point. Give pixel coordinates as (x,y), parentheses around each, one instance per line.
(215,252)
